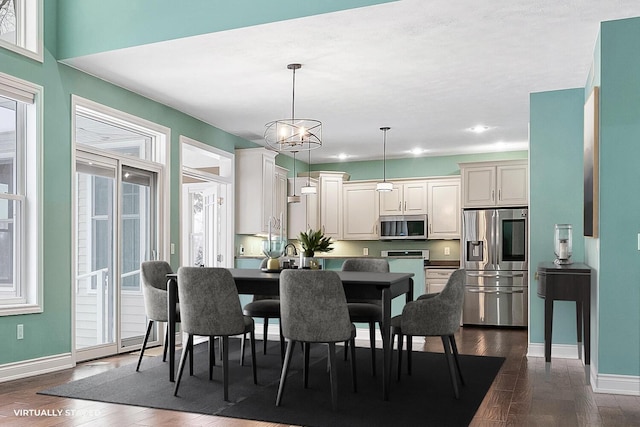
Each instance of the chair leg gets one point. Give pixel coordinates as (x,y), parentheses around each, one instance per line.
(183,359)
(400,344)
(285,370)
(454,347)
(265,327)
(242,345)
(450,362)
(212,356)
(190,345)
(282,346)
(346,349)
(252,336)
(333,375)
(144,344)
(165,344)
(372,343)
(225,366)
(354,378)
(306,348)
(409,353)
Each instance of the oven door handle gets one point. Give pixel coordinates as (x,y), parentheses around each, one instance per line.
(496,275)
(483,291)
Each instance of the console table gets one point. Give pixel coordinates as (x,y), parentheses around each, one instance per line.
(570,282)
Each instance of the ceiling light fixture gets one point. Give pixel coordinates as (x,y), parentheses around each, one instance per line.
(479,128)
(293,134)
(309,189)
(384,185)
(294,198)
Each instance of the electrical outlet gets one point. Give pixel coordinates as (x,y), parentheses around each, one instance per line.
(365,251)
(20,331)
(447,250)
(173,248)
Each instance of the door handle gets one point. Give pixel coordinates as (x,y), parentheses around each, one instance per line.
(496,276)
(482,291)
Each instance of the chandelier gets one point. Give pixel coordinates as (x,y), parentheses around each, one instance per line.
(384,185)
(293,134)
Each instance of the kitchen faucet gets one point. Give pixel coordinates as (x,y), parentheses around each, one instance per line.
(286,250)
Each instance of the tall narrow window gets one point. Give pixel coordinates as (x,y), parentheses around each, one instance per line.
(20,287)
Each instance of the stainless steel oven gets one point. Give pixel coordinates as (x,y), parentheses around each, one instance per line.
(494,254)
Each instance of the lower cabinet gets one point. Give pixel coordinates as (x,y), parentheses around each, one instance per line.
(436,279)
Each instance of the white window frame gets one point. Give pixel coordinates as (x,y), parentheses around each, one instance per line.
(29,30)
(28,256)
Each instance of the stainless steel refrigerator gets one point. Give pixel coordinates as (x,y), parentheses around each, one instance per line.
(494,254)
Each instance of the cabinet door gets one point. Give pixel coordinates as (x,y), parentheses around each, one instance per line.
(513,185)
(436,279)
(479,186)
(331,206)
(391,201)
(444,209)
(415,198)
(303,215)
(279,192)
(360,218)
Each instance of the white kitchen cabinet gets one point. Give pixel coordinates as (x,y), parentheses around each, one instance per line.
(406,198)
(261,191)
(330,202)
(360,211)
(436,278)
(304,215)
(443,197)
(491,184)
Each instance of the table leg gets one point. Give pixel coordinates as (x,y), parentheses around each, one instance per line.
(409,298)
(548,323)
(579,326)
(386,338)
(172,300)
(586,324)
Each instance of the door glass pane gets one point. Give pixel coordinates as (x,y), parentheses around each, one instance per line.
(138,238)
(95,287)
(513,240)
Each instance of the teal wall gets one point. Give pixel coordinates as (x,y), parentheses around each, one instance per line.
(555,150)
(92,26)
(414,166)
(48,333)
(619,269)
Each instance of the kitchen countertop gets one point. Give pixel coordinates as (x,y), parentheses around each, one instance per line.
(429,264)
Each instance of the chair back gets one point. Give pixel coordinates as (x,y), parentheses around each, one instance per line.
(209,302)
(313,307)
(263,264)
(438,315)
(372,265)
(154,288)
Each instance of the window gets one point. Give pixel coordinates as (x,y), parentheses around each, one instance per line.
(20,284)
(21,27)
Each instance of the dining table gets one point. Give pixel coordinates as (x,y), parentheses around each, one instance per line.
(358,285)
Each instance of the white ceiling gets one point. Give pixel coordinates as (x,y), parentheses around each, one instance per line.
(428,69)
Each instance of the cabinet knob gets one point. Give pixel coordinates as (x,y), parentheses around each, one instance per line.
(493,197)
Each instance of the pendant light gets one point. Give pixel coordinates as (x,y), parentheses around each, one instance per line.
(293,134)
(294,198)
(384,185)
(308,188)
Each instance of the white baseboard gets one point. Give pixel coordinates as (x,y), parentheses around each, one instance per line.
(600,383)
(29,368)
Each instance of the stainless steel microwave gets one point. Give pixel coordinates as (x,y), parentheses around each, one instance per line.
(403,227)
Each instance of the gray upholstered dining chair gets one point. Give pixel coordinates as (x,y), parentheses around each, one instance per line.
(366,311)
(434,315)
(314,310)
(154,292)
(210,306)
(264,307)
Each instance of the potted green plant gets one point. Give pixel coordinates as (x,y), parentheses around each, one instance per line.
(313,241)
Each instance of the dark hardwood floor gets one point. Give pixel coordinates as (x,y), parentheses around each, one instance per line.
(523,394)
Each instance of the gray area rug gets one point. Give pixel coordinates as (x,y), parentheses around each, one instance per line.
(424,398)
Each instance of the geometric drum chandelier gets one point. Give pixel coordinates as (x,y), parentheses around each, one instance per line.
(293,134)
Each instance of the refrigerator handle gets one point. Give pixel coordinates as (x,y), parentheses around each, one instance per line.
(496,238)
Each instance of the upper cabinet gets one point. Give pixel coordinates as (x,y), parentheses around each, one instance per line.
(444,208)
(406,198)
(303,215)
(360,211)
(256,170)
(330,191)
(490,184)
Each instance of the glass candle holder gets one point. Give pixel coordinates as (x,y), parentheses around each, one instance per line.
(563,243)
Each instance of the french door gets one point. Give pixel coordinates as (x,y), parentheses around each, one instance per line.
(116,228)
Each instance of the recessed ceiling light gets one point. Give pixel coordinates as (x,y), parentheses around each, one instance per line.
(479,128)
(342,156)
(417,151)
